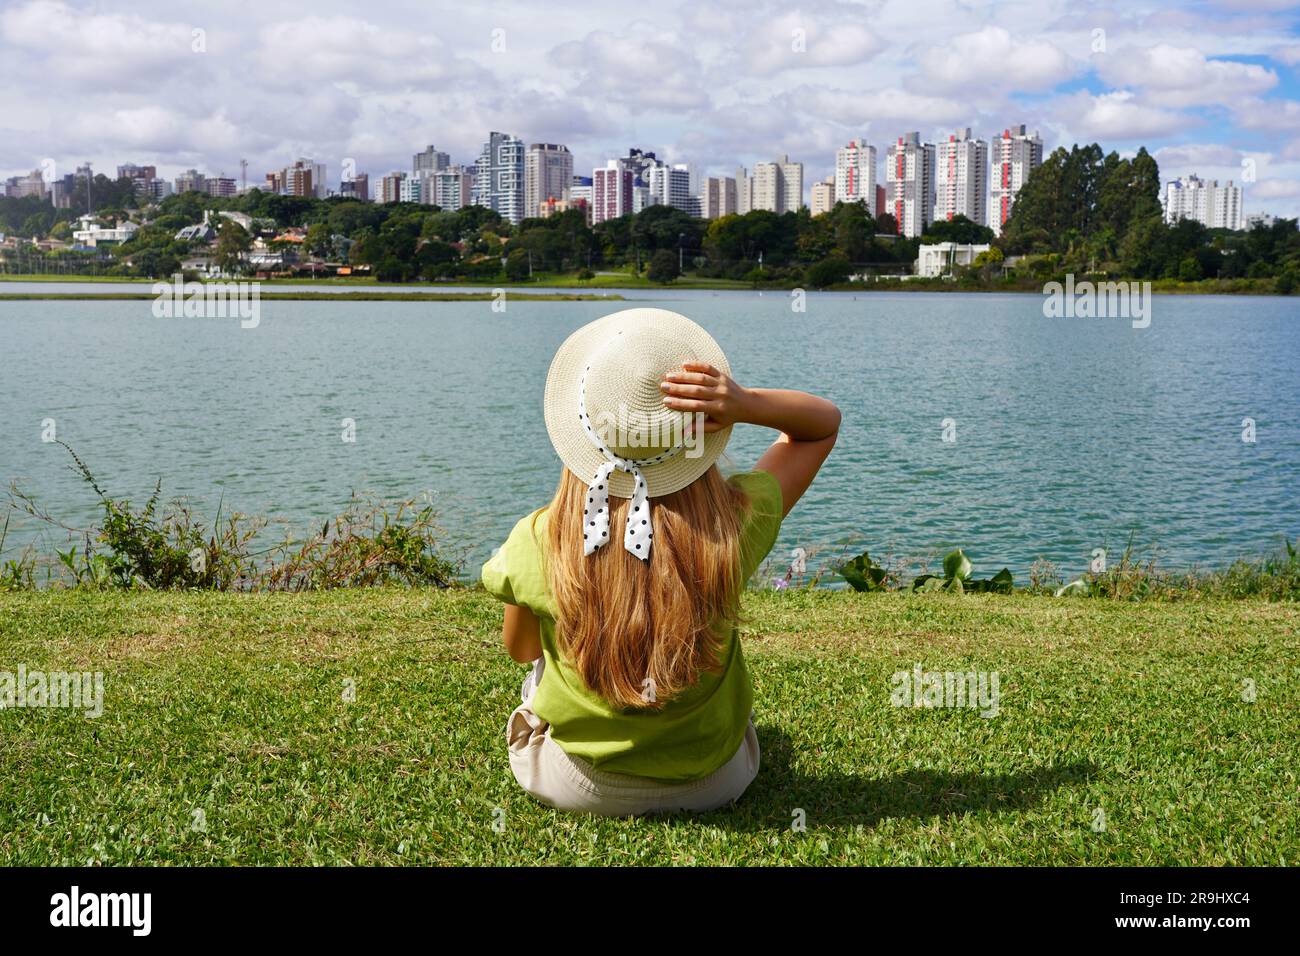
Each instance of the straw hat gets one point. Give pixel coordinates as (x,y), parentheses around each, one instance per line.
(612,369)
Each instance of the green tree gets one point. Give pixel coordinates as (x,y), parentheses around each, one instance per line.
(233,243)
(517,267)
(828,272)
(958,229)
(1189,270)
(663,267)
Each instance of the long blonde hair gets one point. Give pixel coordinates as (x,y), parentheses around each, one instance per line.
(639,633)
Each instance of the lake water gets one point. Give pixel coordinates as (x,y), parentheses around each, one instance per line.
(1070,433)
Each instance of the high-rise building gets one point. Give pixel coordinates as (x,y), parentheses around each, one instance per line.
(193,181)
(303,178)
(390,187)
(879,209)
(410,189)
(909,178)
(62,191)
(132,171)
(639,162)
(823,196)
(611,191)
(358,187)
(744,191)
(670,185)
(791,185)
(776,186)
(453,188)
(718,197)
(580,188)
(499,177)
(548,172)
(855,173)
(1015,155)
(429,160)
(33,184)
(220,186)
(1212,205)
(961,178)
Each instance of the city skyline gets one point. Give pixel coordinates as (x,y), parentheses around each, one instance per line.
(1205,88)
(923,183)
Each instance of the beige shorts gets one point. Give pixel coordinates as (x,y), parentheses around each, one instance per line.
(558,780)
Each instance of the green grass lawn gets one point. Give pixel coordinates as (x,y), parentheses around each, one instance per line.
(234,705)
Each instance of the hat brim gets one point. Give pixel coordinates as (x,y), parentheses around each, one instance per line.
(567,433)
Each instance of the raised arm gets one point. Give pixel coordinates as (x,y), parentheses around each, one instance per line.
(808,424)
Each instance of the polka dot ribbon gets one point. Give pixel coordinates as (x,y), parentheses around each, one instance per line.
(638,533)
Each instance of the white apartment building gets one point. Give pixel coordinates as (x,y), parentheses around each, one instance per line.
(718,197)
(641,196)
(669,185)
(855,174)
(452,188)
(1015,155)
(744,190)
(909,178)
(823,196)
(580,191)
(775,186)
(961,178)
(410,189)
(499,177)
(548,171)
(1215,206)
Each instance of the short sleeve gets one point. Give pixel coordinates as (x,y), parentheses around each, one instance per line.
(514,574)
(763,522)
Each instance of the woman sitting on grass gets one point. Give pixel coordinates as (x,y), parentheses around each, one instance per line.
(639,700)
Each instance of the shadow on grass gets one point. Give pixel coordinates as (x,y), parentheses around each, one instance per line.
(845,800)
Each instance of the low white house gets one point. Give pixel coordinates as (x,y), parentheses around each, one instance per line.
(91,233)
(942,258)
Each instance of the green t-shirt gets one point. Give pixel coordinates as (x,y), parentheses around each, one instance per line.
(693,734)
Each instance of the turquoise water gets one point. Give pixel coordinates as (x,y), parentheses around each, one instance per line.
(1070,433)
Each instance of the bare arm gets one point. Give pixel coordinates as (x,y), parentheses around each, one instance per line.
(808,424)
(521,634)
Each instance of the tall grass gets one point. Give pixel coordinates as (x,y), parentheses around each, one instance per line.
(169,546)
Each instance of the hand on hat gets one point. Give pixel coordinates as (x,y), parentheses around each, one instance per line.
(700,387)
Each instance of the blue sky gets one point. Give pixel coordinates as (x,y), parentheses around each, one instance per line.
(1209,87)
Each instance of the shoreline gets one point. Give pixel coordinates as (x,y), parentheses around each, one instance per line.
(357,296)
(571,289)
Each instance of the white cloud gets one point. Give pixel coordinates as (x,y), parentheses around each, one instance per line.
(1275,189)
(1274,114)
(992,59)
(642,69)
(1118,115)
(795,41)
(82,46)
(1193,155)
(1181,76)
(311,51)
(881,111)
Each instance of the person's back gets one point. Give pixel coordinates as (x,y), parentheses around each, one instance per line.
(639,700)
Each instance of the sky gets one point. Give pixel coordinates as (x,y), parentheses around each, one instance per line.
(1210,87)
